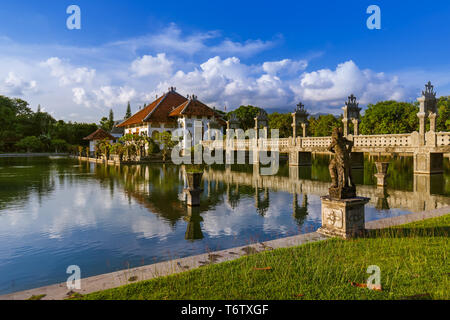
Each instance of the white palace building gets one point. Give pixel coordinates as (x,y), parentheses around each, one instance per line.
(172,111)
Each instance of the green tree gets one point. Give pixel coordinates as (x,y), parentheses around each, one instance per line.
(111,116)
(165,139)
(282,122)
(389,117)
(107,123)
(30,144)
(443,119)
(323,125)
(246,115)
(128,113)
(153,147)
(59,145)
(104,146)
(118,149)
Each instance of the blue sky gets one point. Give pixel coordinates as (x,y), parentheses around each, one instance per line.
(265,53)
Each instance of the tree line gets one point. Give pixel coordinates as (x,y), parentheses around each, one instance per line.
(384,117)
(22,129)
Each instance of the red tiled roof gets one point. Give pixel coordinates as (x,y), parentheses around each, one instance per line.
(100,134)
(157,111)
(195,107)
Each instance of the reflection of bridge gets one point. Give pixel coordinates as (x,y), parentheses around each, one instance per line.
(427,148)
(419,200)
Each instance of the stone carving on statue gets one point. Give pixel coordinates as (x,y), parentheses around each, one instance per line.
(342,186)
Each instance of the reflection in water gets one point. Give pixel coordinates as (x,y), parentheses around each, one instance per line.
(300,212)
(193,218)
(382,196)
(58,212)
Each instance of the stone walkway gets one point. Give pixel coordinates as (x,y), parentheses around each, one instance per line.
(120,278)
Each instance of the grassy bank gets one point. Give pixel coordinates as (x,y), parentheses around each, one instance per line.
(413,260)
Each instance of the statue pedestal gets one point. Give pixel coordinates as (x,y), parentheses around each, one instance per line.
(343,218)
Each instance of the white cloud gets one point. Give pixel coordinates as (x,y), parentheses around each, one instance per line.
(149,65)
(15,85)
(331,87)
(79,97)
(172,40)
(111,96)
(68,74)
(284,66)
(216,70)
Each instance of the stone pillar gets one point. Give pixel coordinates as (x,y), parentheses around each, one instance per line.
(294,173)
(256,156)
(432,117)
(345,121)
(346,127)
(421,116)
(343,218)
(304,129)
(294,126)
(381,174)
(355,127)
(428,162)
(297,158)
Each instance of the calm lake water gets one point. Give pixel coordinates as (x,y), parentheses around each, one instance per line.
(56,212)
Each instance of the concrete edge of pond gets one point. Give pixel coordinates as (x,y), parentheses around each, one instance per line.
(124,277)
(32,155)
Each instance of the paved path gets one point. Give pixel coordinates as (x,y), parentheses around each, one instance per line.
(120,278)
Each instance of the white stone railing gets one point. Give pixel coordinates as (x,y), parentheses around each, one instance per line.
(314,142)
(389,140)
(443,139)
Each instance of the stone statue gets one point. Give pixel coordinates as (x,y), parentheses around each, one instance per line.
(340,167)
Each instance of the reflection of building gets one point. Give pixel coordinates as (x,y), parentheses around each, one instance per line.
(171,111)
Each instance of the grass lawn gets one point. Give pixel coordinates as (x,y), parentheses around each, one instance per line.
(413,260)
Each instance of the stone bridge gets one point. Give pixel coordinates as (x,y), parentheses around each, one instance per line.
(427,148)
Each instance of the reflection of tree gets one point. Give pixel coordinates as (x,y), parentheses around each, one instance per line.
(400,173)
(262,205)
(233,196)
(158,188)
(25,176)
(319,168)
(300,212)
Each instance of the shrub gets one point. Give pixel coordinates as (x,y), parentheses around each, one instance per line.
(30,144)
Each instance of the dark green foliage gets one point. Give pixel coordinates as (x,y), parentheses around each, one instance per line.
(443,119)
(390,117)
(153,147)
(29,144)
(128,113)
(323,125)
(18,121)
(282,122)
(247,115)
